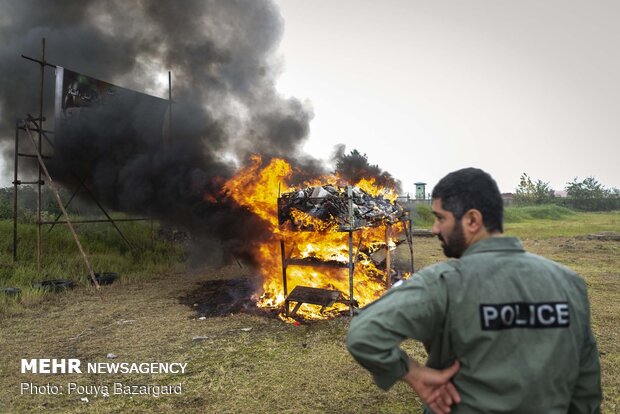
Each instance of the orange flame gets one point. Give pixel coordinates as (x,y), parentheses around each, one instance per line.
(256,187)
(371,187)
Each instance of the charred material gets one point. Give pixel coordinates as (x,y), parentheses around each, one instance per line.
(223,297)
(327,208)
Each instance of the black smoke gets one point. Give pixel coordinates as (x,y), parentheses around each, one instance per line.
(221,55)
(226,106)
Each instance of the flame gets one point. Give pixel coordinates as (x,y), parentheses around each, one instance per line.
(256,187)
(303,220)
(371,187)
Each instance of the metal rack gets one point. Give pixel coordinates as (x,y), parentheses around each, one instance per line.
(327,297)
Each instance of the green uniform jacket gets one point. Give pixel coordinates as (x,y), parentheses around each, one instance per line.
(518,323)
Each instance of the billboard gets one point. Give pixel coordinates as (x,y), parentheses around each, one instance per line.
(83,103)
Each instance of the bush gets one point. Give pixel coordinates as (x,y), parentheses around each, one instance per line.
(590,195)
(6,210)
(514,214)
(591,204)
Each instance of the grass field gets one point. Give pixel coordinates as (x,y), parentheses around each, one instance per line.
(242,362)
(148,253)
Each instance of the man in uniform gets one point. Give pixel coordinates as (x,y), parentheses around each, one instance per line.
(505,330)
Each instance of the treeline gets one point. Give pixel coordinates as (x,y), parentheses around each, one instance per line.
(585,195)
(27,203)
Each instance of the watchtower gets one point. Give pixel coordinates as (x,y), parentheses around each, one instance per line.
(420,191)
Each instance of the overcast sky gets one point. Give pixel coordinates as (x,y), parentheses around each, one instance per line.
(427,87)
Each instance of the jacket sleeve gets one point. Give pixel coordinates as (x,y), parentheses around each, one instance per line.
(413,310)
(587,394)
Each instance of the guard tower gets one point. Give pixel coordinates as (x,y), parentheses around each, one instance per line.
(420,191)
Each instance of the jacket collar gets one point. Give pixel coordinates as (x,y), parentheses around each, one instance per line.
(494,244)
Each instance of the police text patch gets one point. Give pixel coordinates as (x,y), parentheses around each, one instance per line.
(498,316)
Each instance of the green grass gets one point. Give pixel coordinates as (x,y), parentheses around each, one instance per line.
(572,224)
(423,216)
(545,212)
(61,259)
(544,221)
(274,367)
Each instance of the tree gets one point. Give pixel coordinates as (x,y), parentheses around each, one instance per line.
(354,166)
(590,195)
(588,188)
(529,192)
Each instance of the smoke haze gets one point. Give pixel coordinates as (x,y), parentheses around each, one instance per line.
(226,107)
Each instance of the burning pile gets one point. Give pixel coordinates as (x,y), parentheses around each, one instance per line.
(256,188)
(226,107)
(332,207)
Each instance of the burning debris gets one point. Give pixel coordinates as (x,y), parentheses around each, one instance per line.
(204,177)
(328,262)
(329,207)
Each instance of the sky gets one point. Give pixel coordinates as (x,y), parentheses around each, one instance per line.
(427,87)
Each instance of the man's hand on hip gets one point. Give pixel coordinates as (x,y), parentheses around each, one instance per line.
(434,386)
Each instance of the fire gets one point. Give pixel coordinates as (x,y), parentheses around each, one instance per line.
(257,188)
(305,220)
(371,187)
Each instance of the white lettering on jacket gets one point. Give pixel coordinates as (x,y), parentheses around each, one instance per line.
(498,316)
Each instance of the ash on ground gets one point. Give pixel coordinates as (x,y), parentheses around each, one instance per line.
(224,297)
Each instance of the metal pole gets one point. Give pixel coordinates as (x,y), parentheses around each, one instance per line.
(388,264)
(39,149)
(90,221)
(169,106)
(351,223)
(66,206)
(92,195)
(410,240)
(284,264)
(15,185)
(284,286)
(350,273)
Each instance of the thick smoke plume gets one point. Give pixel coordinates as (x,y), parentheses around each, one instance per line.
(221,55)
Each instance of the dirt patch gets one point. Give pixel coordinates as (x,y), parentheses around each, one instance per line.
(604,236)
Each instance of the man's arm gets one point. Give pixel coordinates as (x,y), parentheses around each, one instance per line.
(413,310)
(587,395)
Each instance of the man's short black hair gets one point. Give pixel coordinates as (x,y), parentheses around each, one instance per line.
(469,188)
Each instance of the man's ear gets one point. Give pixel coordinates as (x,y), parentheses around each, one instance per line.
(472,221)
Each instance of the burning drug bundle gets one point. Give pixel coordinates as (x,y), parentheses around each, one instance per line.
(333,269)
(333,208)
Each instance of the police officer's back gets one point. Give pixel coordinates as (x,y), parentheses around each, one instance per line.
(518,324)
